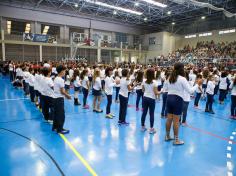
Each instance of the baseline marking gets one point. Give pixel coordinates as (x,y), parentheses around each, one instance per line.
(79,156)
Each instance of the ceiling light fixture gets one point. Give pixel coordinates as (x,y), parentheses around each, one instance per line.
(114,7)
(203,17)
(169,12)
(155,3)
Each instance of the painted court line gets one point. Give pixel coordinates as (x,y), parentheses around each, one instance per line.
(230,163)
(14,99)
(79,156)
(210,134)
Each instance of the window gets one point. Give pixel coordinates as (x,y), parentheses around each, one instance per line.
(120,37)
(227,31)
(205,34)
(190,36)
(152,40)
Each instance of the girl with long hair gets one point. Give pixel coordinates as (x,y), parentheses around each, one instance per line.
(85,87)
(97,91)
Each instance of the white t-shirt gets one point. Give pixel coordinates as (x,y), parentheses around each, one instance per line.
(11,67)
(46,65)
(31,80)
(117,78)
(149,89)
(26,76)
(36,80)
(77,82)
(47,89)
(71,72)
(210,87)
(54,70)
(102,74)
(67,82)
(58,84)
(19,72)
(233,91)
(180,86)
(84,82)
(109,84)
(40,83)
(124,86)
(97,84)
(223,83)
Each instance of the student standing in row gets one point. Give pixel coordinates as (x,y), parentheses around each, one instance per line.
(85,87)
(210,94)
(125,87)
(224,81)
(139,91)
(31,81)
(164,95)
(117,86)
(59,93)
(48,98)
(77,84)
(177,84)
(97,91)
(199,92)
(150,92)
(109,84)
(233,99)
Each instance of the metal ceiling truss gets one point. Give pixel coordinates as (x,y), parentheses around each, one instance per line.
(181,13)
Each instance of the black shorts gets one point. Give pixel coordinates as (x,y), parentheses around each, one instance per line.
(90,78)
(76,89)
(174,104)
(67,87)
(97,92)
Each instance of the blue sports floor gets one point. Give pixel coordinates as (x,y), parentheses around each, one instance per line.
(98,146)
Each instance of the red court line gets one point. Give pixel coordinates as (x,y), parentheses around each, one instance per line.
(210,134)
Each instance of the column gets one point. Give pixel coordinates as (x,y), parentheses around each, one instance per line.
(64,33)
(36,27)
(99,51)
(139,52)
(40,53)
(3,46)
(121,52)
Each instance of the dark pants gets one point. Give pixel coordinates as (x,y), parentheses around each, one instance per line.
(209,102)
(139,96)
(216,89)
(109,101)
(197,98)
(222,95)
(85,93)
(103,84)
(233,105)
(148,103)
(59,115)
(40,100)
(185,110)
(48,108)
(26,88)
(123,108)
(117,92)
(163,109)
(32,93)
(11,75)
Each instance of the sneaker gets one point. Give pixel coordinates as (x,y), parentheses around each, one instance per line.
(129,106)
(64,131)
(119,123)
(86,107)
(232,117)
(195,106)
(112,115)
(125,123)
(137,109)
(143,129)
(206,110)
(184,124)
(108,116)
(211,112)
(152,131)
(178,142)
(50,121)
(99,111)
(168,138)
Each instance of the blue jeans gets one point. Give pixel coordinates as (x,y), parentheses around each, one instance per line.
(222,95)
(233,105)
(185,110)
(197,98)
(148,103)
(123,108)
(139,96)
(109,101)
(164,98)
(209,102)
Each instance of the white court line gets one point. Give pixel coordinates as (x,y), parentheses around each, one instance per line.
(13,99)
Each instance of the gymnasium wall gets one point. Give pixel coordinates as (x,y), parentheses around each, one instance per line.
(181,42)
(47,16)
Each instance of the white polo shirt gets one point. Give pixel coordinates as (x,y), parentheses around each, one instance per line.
(58,84)
(124,87)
